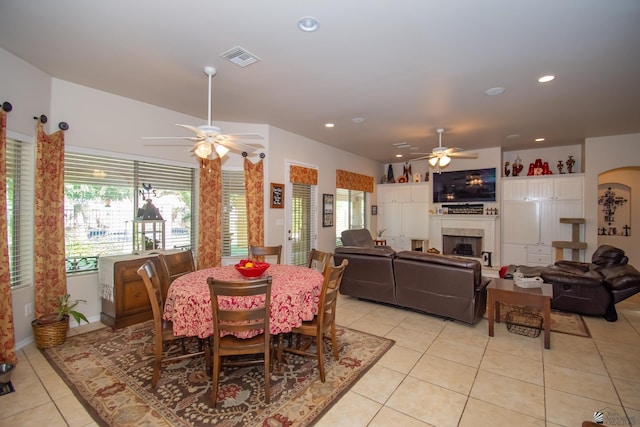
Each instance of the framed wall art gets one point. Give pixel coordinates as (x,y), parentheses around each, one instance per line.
(327,210)
(277,196)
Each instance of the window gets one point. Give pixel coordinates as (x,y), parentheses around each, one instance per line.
(350,210)
(302,219)
(234,214)
(102,196)
(20,203)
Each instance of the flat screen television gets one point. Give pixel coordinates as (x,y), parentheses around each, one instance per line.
(476,185)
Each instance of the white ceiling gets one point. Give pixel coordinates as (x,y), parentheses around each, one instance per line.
(407,66)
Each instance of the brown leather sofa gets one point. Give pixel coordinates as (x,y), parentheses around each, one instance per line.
(369,274)
(593,288)
(446,286)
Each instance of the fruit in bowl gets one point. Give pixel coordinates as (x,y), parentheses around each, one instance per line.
(250,268)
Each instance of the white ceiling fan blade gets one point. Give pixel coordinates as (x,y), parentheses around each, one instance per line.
(421,158)
(166,145)
(193,129)
(463,155)
(234,145)
(235,136)
(165,137)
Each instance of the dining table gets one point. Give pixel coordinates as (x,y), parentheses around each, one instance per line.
(295,292)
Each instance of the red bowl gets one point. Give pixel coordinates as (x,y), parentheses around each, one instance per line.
(252,272)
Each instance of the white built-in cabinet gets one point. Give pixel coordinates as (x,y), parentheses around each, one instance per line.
(403,212)
(531,212)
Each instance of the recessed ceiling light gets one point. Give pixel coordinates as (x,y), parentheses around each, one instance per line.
(513,136)
(539,140)
(494,91)
(546,79)
(308,24)
(329,125)
(358,120)
(398,155)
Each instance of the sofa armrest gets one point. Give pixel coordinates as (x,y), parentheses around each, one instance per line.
(590,279)
(621,277)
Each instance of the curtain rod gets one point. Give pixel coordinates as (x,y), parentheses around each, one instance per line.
(43,119)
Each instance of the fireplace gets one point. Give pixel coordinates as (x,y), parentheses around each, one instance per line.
(479,231)
(462,241)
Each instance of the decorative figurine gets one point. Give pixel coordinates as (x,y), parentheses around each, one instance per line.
(507,170)
(570,163)
(560,166)
(517,166)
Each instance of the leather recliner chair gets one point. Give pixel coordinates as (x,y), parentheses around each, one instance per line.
(360,238)
(593,288)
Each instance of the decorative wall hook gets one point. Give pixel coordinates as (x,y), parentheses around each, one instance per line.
(6,106)
(43,119)
(63,125)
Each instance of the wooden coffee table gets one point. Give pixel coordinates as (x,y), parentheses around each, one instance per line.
(506,291)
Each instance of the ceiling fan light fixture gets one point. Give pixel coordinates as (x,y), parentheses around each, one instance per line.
(433,161)
(221,150)
(203,150)
(445,160)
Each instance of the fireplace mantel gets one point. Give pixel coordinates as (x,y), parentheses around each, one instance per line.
(489,224)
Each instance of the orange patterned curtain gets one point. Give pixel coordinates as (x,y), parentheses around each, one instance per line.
(302,175)
(49,262)
(210,214)
(354,181)
(254,186)
(7,335)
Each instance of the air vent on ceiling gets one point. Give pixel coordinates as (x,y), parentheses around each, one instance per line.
(240,56)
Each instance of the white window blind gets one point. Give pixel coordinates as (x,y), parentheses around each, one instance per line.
(20,204)
(102,195)
(234,214)
(301,223)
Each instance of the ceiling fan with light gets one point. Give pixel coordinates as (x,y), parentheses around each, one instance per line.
(441,156)
(209,138)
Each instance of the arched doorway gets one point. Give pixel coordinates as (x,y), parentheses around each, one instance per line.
(618,206)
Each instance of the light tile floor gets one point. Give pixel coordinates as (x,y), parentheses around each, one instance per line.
(439,373)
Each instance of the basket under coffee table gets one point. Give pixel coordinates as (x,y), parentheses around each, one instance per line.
(506,291)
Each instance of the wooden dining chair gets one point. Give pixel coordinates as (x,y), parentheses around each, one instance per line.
(324,321)
(239,321)
(179,263)
(262,251)
(163,329)
(319,260)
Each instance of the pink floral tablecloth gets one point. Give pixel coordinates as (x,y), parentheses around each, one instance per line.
(294,297)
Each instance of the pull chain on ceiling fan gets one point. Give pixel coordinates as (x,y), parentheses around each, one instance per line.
(209,138)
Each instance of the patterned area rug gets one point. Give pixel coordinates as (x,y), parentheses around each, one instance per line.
(562,322)
(110,373)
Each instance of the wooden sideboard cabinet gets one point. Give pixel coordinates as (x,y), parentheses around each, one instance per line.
(124,297)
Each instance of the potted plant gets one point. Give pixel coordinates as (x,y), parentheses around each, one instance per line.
(50,329)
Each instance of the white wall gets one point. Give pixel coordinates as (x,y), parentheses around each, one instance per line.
(286,146)
(601,155)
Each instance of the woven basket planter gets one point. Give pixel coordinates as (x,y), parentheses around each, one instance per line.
(48,335)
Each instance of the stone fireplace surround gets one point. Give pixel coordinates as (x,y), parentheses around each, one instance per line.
(473,227)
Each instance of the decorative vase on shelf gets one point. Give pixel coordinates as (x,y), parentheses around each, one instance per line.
(570,163)
(560,166)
